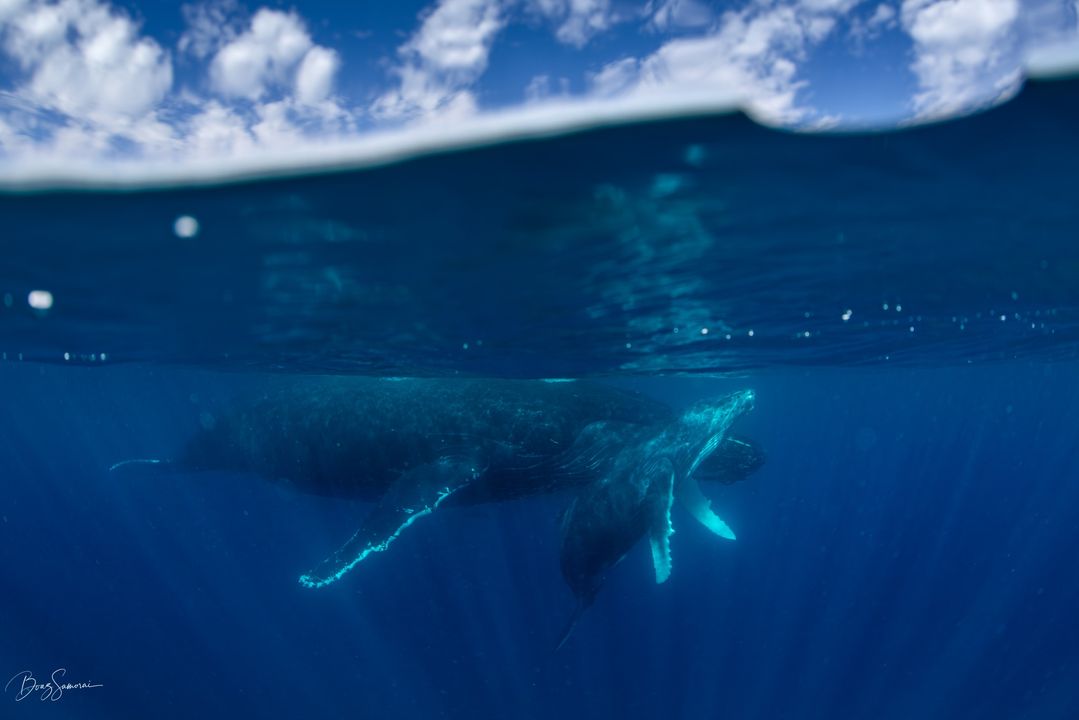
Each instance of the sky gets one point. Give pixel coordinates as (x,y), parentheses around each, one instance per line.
(85,79)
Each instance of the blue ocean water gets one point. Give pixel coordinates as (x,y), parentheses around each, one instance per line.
(905,305)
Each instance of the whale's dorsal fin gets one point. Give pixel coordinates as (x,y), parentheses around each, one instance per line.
(700,507)
(415,494)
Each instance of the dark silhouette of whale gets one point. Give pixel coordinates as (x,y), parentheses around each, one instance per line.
(415,445)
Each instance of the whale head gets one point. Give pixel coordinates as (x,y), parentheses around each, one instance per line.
(697,433)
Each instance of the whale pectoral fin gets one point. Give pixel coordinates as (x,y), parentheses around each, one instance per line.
(700,507)
(662,527)
(413,495)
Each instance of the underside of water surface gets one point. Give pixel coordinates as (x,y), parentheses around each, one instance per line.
(704,244)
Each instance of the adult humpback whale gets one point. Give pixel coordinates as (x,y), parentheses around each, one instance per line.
(415,445)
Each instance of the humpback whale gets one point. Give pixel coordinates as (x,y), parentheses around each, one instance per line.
(415,445)
(656,465)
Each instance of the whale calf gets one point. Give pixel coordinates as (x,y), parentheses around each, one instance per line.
(657,465)
(415,445)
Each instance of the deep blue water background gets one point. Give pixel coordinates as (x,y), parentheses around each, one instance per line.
(908,550)
(906,306)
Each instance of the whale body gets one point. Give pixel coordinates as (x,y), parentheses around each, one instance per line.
(414,445)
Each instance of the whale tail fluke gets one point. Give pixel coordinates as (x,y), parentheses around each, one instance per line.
(571,623)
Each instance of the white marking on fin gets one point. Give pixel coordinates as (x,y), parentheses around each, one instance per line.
(700,507)
(660,537)
(661,556)
(312,581)
(140,461)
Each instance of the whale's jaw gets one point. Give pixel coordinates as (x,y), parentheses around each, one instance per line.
(702,427)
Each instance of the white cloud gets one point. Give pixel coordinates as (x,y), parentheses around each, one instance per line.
(965,53)
(675,14)
(442,60)
(10,8)
(863,29)
(578,20)
(272,63)
(276,126)
(752,56)
(538,88)
(90,86)
(217,131)
(15,136)
(209,26)
(457,35)
(274,53)
(83,59)
(545,88)
(314,79)
(616,78)
(882,16)
(85,82)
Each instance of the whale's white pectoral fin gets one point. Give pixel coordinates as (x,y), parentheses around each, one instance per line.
(700,507)
(661,556)
(662,528)
(415,494)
